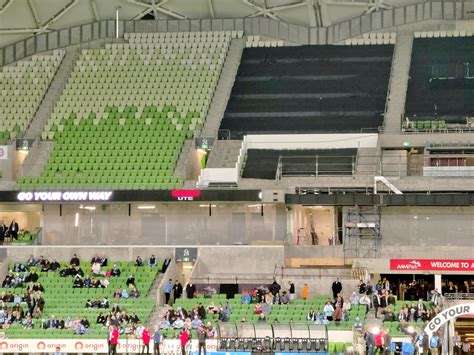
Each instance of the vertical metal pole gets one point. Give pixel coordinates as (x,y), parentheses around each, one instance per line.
(117,22)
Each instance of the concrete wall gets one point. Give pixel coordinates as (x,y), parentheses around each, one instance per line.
(428,226)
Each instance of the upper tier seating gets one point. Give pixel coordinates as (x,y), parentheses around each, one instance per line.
(263,163)
(309,89)
(441,82)
(127,109)
(22,88)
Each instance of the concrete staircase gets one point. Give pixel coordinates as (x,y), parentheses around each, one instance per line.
(223,89)
(52,95)
(224,154)
(368,161)
(183,160)
(36,158)
(398,81)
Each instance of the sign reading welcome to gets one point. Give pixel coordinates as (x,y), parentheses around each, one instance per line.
(431,265)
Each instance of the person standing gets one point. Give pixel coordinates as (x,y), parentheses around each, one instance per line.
(168,288)
(376,302)
(113,339)
(434,343)
(190,290)
(305,292)
(146,341)
(156,340)
(387,342)
(336,288)
(184,339)
(202,335)
(292,291)
(3,231)
(14,229)
(177,290)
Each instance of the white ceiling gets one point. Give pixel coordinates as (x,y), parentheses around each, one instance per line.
(23,18)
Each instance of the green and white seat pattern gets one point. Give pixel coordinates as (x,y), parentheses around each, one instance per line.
(22,87)
(127,109)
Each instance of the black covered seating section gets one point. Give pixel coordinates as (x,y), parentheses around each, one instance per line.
(263,163)
(309,89)
(441,82)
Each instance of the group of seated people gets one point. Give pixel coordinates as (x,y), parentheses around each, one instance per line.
(195,319)
(128,324)
(12,311)
(152,261)
(78,325)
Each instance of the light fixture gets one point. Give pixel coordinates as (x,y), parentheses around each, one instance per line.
(90,208)
(375,330)
(203,151)
(146,207)
(189,267)
(255,206)
(415,217)
(207,206)
(76,220)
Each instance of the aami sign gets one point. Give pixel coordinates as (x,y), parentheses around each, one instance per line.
(185,195)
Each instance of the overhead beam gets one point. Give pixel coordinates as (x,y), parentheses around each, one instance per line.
(311,13)
(34,12)
(59,14)
(261,10)
(211,8)
(95,11)
(5,6)
(13,31)
(158,7)
(324,13)
(155,12)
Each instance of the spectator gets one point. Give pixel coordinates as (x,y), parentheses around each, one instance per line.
(139,261)
(336,288)
(305,292)
(164,323)
(284,298)
(227,308)
(292,291)
(134,292)
(196,322)
(168,288)
(74,261)
(14,229)
(190,290)
(152,261)
(113,340)
(54,266)
(223,317)
(275,287)
(337,315)
(124,294)
(96,269)
(262,318)
(328,310)
(202,336)
(130,281)
(365,300)
(177,290)
(115,272)
(156,340)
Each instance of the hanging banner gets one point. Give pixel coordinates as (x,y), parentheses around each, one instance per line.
(458,310)
(432,265)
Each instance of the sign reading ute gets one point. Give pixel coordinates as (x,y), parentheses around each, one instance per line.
(65,196)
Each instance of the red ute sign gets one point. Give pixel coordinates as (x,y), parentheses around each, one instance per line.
(185,195)
(432,264)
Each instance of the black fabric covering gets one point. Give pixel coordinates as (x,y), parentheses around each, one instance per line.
(263,163)
(440,85)
(309,89)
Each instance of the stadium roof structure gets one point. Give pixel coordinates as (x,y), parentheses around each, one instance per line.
(20,19)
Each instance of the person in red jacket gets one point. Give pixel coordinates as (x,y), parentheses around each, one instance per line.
(113,340)
(146,341)
(184,338)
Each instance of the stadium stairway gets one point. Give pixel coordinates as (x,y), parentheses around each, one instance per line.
(224,88)
(398,83)
(224,154)
(52,95)
(36,159)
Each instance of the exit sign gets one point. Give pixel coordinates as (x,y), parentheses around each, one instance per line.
(185,255)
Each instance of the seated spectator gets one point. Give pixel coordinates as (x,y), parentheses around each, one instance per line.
(28,323)
(54,266)
(211,331)
(101,319)
(77,283)
(178,323)
(31,261)
(89,304)
(134,318)
(354,299)
(124,294)
(104,283)
(325,320)
(243,320)
(105,303)
(17,281)
(227,308)
(45,263)
(246,298)
(32,276)
(310,315)
(87,282)
(85,322)
(130,281)
(262,317)
(223,317)
(196,322)
(152,261)
(328,310)
(134,292)
(96,269)
(51,323)
(60,324)
(7,280)
(139,261)
(19,267)
(68,324)
(115,271)
(79,329)
(164,323)
(117,293)
(257,309)
(74,261)
(266,309)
